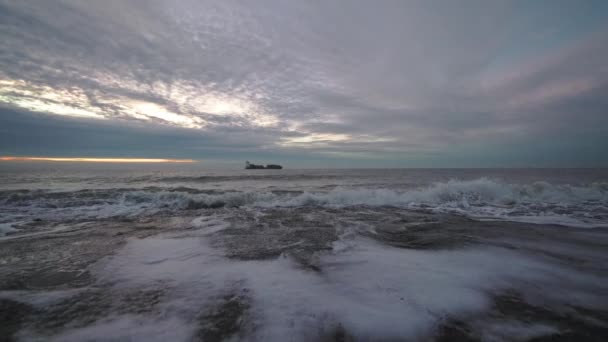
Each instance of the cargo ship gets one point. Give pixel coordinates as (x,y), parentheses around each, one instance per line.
(250,166)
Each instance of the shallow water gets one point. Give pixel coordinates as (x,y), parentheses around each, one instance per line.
(301,255)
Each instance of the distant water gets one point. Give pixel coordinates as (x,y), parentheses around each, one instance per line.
(573,197)
(184,253)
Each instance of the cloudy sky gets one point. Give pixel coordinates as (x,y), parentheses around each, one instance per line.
(307,83)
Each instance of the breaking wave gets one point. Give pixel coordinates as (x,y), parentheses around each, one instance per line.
(464,194)
(481,198)
(539,202)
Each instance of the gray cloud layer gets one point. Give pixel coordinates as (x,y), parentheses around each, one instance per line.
(418,82)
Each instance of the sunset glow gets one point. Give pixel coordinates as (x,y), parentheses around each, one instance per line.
(98,160)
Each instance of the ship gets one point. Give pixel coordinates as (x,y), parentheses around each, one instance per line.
(250,166)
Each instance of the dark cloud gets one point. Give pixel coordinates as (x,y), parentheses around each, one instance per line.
(415,81)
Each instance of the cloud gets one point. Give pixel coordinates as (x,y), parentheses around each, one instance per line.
(343,79)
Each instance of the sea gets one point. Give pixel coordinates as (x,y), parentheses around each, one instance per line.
(180,252)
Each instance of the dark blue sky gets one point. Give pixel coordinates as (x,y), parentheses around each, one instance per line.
(316,83)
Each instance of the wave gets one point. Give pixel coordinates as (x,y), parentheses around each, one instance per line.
(481,198)
(87,197)
(463,194)
(539,202)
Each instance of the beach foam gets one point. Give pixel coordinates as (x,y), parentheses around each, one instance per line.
(370,290)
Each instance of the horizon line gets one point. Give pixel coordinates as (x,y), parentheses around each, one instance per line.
(97,160)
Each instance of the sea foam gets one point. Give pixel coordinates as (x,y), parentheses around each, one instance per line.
(372,291)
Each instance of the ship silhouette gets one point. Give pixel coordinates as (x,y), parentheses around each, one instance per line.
(250,166)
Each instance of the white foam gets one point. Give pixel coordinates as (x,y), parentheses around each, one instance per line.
(209,224)
(39,298)
(45,232)
(373,291)
(6,228)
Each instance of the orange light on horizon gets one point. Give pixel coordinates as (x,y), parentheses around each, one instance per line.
(98,160)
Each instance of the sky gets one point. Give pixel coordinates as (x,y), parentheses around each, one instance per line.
(351,83)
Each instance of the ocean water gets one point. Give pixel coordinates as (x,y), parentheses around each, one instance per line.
(571,197)
(180,252)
